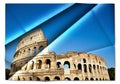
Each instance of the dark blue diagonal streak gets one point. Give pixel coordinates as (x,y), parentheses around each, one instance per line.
(55,26)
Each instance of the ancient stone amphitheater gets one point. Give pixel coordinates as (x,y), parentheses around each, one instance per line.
(33,61)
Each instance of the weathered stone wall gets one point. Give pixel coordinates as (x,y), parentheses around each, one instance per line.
(28,47)
(50,66)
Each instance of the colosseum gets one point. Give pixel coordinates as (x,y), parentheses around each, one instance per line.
(34,61)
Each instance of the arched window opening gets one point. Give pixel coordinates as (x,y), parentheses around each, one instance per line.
(86,78)
(37,78)
(94,67)
(66,64)
(32,65)
(18,78)
(47,79)
(100,78)
(57,78)
(99,62)
(30,78)
(75,66)
(85,68)
(26,67)
(84,60)
(58,64)
(67,78)
(24,52)
(91,79)
(79,67)
(96,78)
(41,48)
(90,68)
(39,64)
(35,50)
(29,51)
(76,78)
(48,62)
(23,78)
(98,68)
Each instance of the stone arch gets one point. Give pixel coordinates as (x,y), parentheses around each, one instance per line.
(86,78)
(26,66)
(30,78)
(57,78)
(90,68)
(75,66)
(96,78)
(91,79)
(98,68)
(35,50)
(99,62)
(32,65)
(59,64)
(41,48)
(29,50)
(85,68)
(23,78)
(84,60)
(47,79)
(24,51)
(66,64)
(67,78)
(94,67)
(39,64)
(48,62)
(37,79)
(18,78)
(79,66)
(76,78)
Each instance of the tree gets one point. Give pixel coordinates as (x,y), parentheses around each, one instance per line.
(111,72)
(7,71)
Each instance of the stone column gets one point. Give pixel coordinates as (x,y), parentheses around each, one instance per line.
(53,64)
(43,64)
(71,65)
(88,72)
(62,64)
(37,49)
(35,65)
(92,69)
(83,71)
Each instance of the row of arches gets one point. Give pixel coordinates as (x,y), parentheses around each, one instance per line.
(38,64)
(29,51)
(67,65)
(83,67)
(57,78)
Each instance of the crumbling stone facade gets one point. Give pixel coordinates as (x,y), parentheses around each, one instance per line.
(33,61)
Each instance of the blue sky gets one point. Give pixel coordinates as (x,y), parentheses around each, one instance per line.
(70,27)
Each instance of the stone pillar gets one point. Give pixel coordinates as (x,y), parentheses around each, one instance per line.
(37,49)
(88,72)
(83,71)
(35,65)
(32,51)
(98,74)
(72,66)
(43,64)
(53,64)
(62,64)
(29,66)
